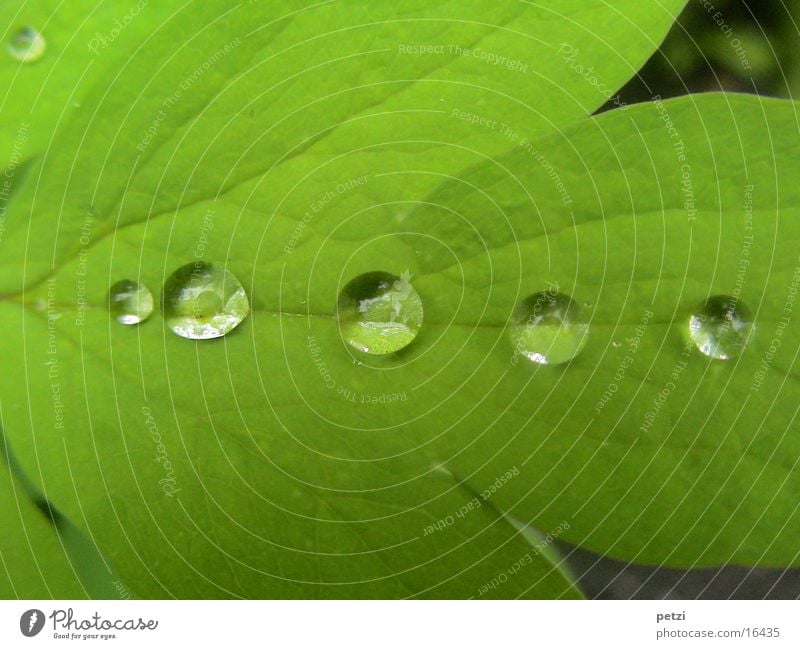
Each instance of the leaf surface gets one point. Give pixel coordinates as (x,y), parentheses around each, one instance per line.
(299,158)
(33,561)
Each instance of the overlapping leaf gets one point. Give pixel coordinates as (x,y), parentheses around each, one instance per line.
(300,157)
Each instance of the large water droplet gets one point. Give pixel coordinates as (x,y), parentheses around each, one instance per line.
(721,327)
(549,328)
(203,301)
(27,45)
(380,313)
(130,302)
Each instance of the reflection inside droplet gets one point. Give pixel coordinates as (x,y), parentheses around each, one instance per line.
(549,328)
(27,45)
(130,302)
(380,313)
(202,301)
(721,327)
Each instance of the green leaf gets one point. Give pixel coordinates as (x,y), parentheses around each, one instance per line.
(703,475)
(84,45)
(33,561)
(272,437)
(653,452)
(271,89)
(53,560)
(290,465)
(281,127)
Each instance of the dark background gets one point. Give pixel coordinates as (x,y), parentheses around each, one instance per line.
(756,49)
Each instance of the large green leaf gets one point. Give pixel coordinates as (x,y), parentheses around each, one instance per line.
(247,116)
(33,561)
(272,435)
(43,554)
(272,89)
(300,464)
(281,403)
(654,452)
(85,43)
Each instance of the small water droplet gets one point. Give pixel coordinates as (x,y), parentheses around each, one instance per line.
(549,328)
(721,327)
(130,302)
(380,313)
(202,301)
(27,45)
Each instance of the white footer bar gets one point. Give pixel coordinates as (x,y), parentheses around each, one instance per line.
(401,625)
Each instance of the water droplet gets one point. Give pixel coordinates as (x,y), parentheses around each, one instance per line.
(380,313)
(721,327)
(130,302)
(203,301)
(549,328)
(27,45)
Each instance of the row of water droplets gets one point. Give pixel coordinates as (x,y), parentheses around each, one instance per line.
(200,301)
(381,313)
